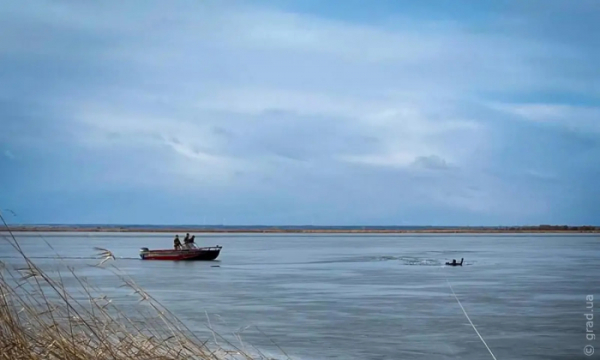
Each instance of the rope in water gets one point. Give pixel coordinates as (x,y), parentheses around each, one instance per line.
(474,328)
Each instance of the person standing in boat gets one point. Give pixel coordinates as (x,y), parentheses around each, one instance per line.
(186,241)
(177,243)
(189,242)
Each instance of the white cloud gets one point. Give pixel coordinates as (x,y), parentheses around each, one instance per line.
(400,159)
(433,162)
(573,117)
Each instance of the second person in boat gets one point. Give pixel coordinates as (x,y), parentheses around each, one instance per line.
(189,241)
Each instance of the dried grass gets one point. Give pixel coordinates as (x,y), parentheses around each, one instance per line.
(41,319)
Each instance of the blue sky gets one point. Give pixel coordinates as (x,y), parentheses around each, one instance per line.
(301,112)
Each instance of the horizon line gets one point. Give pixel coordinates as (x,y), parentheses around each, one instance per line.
(283,226)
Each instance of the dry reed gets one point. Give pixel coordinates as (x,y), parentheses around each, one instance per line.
(41,319)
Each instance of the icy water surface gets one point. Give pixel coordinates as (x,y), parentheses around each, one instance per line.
(365,297)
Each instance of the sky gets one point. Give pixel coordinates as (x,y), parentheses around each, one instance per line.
(300,112)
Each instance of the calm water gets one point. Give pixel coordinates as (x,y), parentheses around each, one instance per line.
(366,297)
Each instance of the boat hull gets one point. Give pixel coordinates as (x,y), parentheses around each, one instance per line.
(197,254)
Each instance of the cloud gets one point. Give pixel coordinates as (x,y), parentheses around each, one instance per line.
(432,162)
(258,103)
(570,117)
(9,154)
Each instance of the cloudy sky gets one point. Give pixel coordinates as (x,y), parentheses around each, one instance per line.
(300,112)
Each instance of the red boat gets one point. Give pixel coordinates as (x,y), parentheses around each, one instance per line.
(189,254)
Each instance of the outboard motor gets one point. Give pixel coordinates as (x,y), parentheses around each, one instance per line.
(144,252)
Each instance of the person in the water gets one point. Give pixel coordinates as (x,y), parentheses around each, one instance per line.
(454,263)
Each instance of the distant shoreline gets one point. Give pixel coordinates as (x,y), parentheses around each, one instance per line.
(275,230)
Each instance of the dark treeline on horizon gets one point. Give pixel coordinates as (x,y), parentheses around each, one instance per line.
(304,227)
